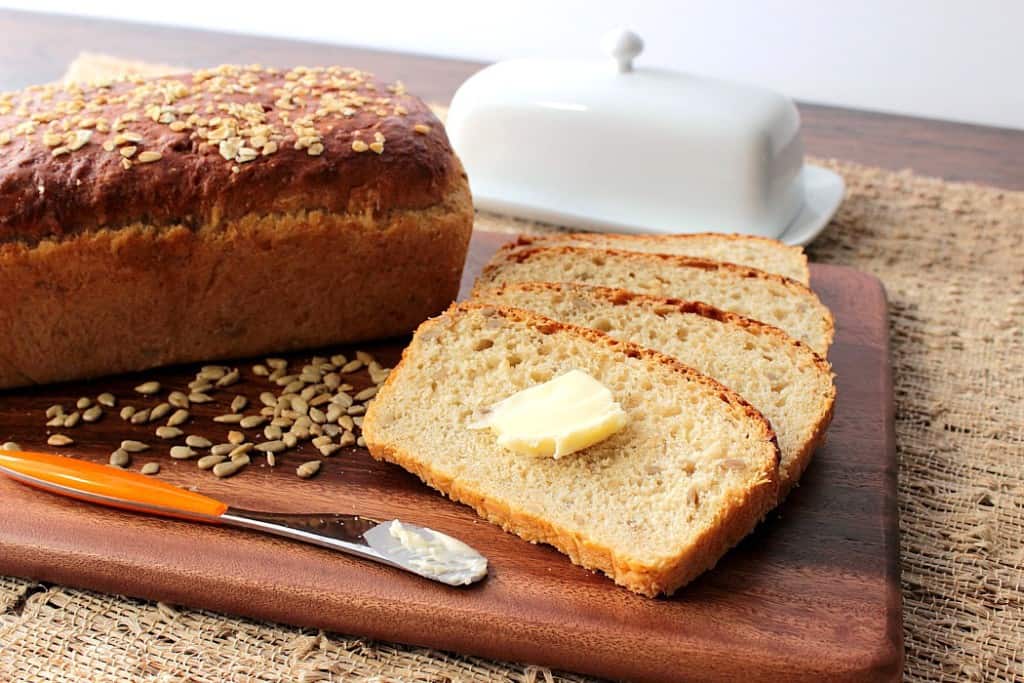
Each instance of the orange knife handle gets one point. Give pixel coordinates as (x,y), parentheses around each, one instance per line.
(109,486)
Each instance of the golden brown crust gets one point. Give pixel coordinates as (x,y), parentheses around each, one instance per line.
(50,188)
(111,301)
(519,254)
(789,477)
(651,580)
(624,240)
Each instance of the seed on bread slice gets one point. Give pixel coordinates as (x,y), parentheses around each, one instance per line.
(652,506)
(762,253)
(790,384)
(772,299)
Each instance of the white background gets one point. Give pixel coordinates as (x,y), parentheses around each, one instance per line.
(960,60)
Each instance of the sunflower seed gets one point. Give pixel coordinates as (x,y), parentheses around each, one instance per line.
(238,404)
(309,392)
(240,450)
(55,421)
(334,411)
(251,421)
(235,437)
(365,357)
(291,440)
(272,432)
(351,366)
(294,386)
(168,432)
(212,373)
(179,417)
(196,441)
(321,441)
(308,469)
(317,415)
(277,363)
(229,418)
(268,399)
(120,458)
(271,459)
(134,446)
(11,446)
(242,459)
(332,430)
(178,399)
(316,430)
(107,399)
(338,359)
(182,452)
(356,410)
(285,380)
(260,370)
(159,412)
(300,406)
(72,419)
(320,399)
(148,388)
(55,410)
(327,450)
(198,397)
(208,461)
(141,417)
(60,440)
(150,468)
(267,411)
(361,442)
(332,380)
(222,448)
(366,394)
(200,385)
(127,412)
(276,375)
(229,379)
(342,399)
(227,468)
(347,439)
(83,403)
(282,422)
(93,414)
(358,421)
(275,446)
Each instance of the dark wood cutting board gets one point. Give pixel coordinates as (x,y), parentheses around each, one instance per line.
(812,595)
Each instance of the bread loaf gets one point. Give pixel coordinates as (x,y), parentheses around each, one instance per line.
(652,506)
(226,212)
(772,299)
(762,253)
(784,379)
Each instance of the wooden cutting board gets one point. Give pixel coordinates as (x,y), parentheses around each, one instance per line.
(812,595)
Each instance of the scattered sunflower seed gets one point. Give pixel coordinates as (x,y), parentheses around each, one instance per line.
(222,448)
(227,468)
(272,432)
(332,430)
(359,421)
(290,440)
(120,458)
(327,450)
(351,366)
(178,417)
(342,399)
(365,394)
(107,399)
(168,432)
(239,404)
(317,415)
(55,421)
(320,399)
(55,410)
(334,411)
(242,459)
(196,441)
(240,449)
(365,357)
(338,359)
(347,439)
(134,446)
(11,446)
(200,385)
(208,461)
(277,363)
(321,441)
(150,468)
(235,437)
(72,419)
(332,380)
(260,370)
(356,410)
(275,446)
(282,422)
(268,399)
(140,417)
(308,469)
(361,442)
(294,386)
(93,414)
(178,399)
(300,406)
(271,459)
(228,418)
(159,412)
(60,440)
(199,397)
(251,421)
(127,412)
(148,388)
(83,403)
(182,452)
(229,379)
(212,373)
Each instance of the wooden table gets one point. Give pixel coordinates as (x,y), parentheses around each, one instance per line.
(37,48)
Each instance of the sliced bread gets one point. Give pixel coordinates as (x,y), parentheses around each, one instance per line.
(762,253)
(773,299)
(652,506)
(784,379)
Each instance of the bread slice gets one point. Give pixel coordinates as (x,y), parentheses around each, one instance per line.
(762,253)
(773,299)
(784,379)
(652,506)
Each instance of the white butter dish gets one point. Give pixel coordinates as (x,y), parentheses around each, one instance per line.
(600,145)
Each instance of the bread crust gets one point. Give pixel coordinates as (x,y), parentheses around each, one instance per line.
(43,196)
(788,476)
(112,301)
(664,577)
(624,240)
(519,254)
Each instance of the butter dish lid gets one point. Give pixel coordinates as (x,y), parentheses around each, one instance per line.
(605,144)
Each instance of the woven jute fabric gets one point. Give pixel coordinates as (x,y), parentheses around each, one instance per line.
(951,256)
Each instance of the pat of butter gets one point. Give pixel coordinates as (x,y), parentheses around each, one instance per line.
(556,418)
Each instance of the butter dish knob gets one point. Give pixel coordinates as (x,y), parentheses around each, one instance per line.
(623,46)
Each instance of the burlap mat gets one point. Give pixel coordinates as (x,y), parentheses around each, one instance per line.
(952,258)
